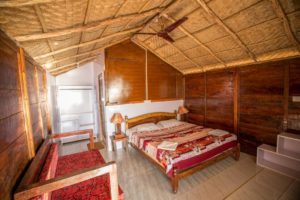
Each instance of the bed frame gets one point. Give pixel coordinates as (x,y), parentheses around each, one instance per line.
(177,174)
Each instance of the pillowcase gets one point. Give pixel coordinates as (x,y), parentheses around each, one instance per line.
(145,127)
(169,123)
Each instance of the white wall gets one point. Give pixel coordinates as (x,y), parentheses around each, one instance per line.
(132,110)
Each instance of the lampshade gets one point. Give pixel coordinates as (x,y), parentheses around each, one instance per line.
(117,118)
(182,110)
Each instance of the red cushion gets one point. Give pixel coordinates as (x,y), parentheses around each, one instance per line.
(96,188)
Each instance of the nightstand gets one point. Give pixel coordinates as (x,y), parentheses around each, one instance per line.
(114,140)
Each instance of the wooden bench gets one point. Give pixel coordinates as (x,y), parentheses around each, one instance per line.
(48,173)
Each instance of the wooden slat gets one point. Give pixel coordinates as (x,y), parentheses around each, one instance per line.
(49,122)
(26,107)
(287,28)
(286,97)
(89,43)
(89,27)
(20,3)
(236,101)
(226,28)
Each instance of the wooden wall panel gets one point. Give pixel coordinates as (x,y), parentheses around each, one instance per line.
(33,95)
(13,145)
(219,100)
(195,98)
(125,73)
(260,101)
(125,76)
(294,91)
(163,79)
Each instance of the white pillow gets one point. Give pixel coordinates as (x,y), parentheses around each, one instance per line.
(145,127)
(169,123)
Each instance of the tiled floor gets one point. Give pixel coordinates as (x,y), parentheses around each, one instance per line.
(227,179)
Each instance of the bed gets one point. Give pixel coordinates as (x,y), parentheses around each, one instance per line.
(196,146)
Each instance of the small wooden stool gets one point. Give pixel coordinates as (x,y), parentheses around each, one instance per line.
(114,140)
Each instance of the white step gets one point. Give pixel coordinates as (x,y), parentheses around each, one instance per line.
(288,144)
(268,157)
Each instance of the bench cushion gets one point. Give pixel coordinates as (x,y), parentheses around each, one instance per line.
(95,188)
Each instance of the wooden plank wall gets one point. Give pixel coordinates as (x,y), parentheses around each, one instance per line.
(15,152)
(163,79)
(262,94)
(129,68)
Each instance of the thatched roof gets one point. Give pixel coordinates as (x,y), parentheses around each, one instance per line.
(60,34)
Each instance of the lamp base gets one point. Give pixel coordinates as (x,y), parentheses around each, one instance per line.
(119,136)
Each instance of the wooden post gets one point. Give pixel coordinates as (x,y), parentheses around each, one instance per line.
(25,100)
(205,80)
(36,78)
(49,122)
(236,85)
(175,181)
(114,191)
(286,97)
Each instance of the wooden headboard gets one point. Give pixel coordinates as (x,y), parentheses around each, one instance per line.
(149,118)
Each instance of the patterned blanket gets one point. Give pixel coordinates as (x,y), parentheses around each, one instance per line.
(195,144)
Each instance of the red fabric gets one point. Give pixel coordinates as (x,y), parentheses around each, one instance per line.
(184,164)
(96,188)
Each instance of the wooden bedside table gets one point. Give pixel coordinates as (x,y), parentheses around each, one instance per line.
(114,140)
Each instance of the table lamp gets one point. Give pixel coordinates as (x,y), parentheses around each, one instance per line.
(117,119)
(181,111)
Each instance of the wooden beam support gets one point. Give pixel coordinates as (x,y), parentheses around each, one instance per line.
(75,56)
(25,100)
(43,24)
(20,3)
(196,40)
(287,28)
(76,63)
(286,97)
(226,28)
(89,42)
(236,92)
(49,121)
(37,85)
(90,27)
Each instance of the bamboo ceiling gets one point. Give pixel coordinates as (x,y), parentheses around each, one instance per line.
(60,34)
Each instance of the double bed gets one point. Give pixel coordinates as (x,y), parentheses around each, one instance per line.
(177,148)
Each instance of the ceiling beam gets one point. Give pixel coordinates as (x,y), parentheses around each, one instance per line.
(89,42)
(20,3)
(287,28)
(43,24)
(74,56)
(90,27)
(75,63)
(226,28)
(195,40)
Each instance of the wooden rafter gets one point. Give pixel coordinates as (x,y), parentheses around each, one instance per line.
(181,52)
(90,27)
(76,63)
(85,21)
(89,42)
(43,24)
(140,10)
(196,40)
(226,28)
(20,3)
(74,56)
(115,15)
(287,28)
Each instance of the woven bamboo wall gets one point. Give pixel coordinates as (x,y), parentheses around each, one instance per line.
(217,34)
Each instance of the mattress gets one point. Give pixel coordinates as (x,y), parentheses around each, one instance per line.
(195,145)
